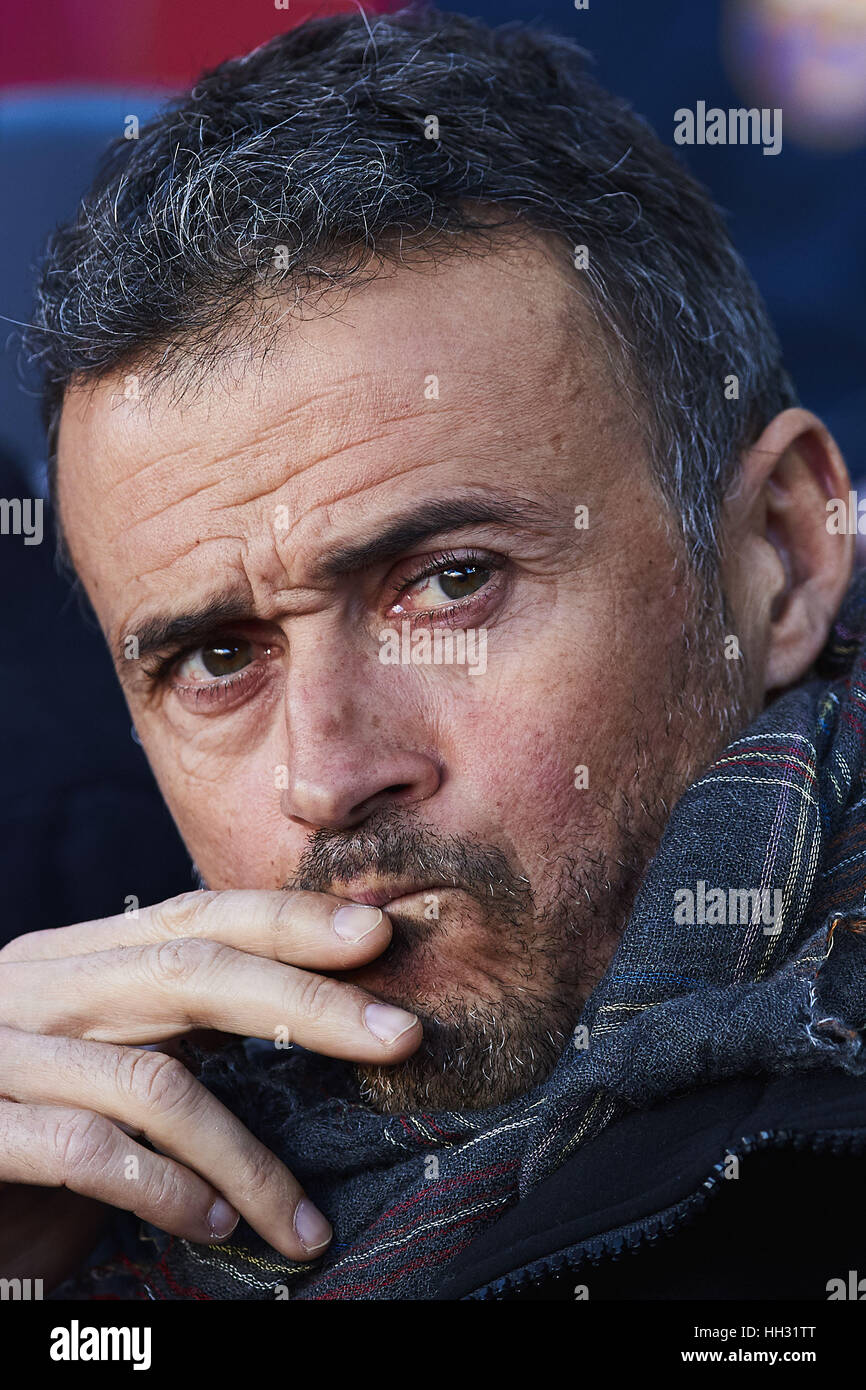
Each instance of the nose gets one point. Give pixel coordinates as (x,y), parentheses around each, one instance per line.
(340,793)
(346,761)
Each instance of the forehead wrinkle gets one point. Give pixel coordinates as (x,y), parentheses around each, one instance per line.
(164,508)
(232,505)
(238,455)
(276,560)
(366,386)
(270,548)
(237,450)
(372,388)
(196,545)
(328,503)
(139,474)
(368,389)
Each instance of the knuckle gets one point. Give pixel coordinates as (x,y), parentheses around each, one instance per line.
(81,1140)
(163,1191)
(284,919)
(258,1173)
(315,996)
(154,1079)
(183,915)
(182,961)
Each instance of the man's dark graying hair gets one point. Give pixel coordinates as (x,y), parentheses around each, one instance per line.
(316,143)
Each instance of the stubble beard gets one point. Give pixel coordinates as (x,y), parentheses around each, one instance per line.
(552,946)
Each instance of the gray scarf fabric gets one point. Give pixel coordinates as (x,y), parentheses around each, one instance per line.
(745,954)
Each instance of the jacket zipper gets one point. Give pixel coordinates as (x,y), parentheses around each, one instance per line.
(626,1239)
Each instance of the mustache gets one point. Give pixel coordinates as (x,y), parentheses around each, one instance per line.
(394,844)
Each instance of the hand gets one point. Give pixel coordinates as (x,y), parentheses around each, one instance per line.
(76,1005)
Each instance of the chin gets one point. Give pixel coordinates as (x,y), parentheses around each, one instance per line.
(480,1048)
(451,1078)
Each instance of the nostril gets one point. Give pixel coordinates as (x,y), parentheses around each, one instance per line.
(396,792)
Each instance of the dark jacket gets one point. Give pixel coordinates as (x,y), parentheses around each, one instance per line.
(748,1189)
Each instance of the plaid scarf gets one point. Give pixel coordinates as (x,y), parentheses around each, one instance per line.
(779,814)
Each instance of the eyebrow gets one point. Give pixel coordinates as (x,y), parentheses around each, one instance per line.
(162,631)
(420,524)
(165,631)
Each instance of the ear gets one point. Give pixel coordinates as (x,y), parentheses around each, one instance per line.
(785,562)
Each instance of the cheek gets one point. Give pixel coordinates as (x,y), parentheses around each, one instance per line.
(227,810)
(523,757)
(545,751)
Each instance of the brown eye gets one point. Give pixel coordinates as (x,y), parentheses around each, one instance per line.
(450,583)
(462,580)
(215,661)
(226,658)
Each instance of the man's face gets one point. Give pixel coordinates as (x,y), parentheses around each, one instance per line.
(502,808)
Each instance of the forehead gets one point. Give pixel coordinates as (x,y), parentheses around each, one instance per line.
(458,371)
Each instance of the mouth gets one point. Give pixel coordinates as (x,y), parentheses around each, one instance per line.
(387,895)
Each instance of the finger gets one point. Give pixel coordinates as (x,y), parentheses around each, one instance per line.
(59,1146)
(155,1095)
(306,929)
(147,993)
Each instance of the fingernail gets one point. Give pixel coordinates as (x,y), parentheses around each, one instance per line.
(355,921)
(222,1219)
(311,1227)
(387,1023)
